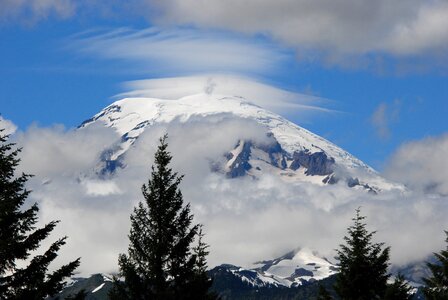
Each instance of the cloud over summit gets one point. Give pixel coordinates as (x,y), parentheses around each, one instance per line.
(272,98)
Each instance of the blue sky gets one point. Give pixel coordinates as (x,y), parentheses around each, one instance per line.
(380,67)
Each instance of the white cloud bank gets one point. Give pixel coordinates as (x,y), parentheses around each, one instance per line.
(338,28)
(422,164)
(245,220)
(57,152)
(7,126)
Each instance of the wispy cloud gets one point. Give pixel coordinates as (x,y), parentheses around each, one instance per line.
(30,11)
(181,51)
(383,116)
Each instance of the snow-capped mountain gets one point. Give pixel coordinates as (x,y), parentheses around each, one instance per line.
(290,270)
(95,287)
(294,269)
(293,153)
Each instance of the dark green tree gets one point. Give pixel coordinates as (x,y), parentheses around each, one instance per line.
(161,262)
(437,285)
(81,295)
(323,294)
(362,264)
(398,290)
(19,237)
(201,283)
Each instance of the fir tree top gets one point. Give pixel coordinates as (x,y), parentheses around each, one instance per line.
(362,264)
(161,262)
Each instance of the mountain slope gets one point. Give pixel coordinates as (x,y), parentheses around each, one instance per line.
(293,269)
(293,153)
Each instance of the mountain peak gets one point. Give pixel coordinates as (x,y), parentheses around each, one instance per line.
(294,153)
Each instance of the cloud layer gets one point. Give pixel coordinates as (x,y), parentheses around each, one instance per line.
(264,95)
(338,29)
(358,33)
(245,220)
(181,51)
(422,164)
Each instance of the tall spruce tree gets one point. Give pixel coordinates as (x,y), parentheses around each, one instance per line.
(19,237)
(437,285)
(161,262)
(362,264)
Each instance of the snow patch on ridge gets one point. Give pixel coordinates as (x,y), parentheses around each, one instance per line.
(98,288)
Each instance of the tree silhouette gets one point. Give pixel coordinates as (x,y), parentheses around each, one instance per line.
(161,262)
(362,264)
(437,285)
(19,237)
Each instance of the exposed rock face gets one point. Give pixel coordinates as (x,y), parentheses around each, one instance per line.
(330,179)
(111,109)
(269,263)
(317,163)
(276,154)
(351,182)
(302,272)
(96,287)
(240,164)
(107,166)
(354,182)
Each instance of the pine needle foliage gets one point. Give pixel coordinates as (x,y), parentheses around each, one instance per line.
(437,285)
(19,237)
(323,293)
(362,264)
(161,262)
(399,290)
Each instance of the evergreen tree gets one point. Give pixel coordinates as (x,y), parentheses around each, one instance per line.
(362,264)
(19,237)
(437,285)
(323,294)
(399,290)
(201,283)
(161,263)
(81,295)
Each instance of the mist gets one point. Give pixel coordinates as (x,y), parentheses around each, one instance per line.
(245,219)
